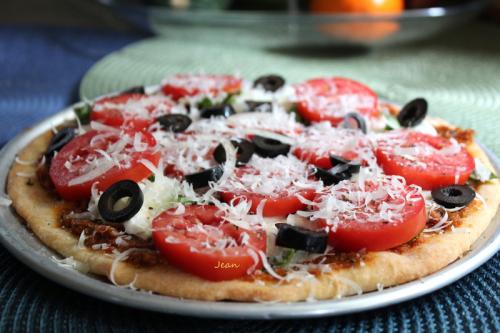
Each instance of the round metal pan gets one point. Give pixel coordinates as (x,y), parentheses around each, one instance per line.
(27,248)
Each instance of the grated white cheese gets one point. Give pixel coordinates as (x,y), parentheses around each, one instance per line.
(22,162)
(323,139)
(120,257)
(271,177)
(159,195)
(145,107)
(71,263)
(481,171)
(380,199)
(26,174)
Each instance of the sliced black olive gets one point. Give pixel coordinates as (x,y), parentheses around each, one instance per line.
(329,178)
(270,82)
(453,196)
(355,121)
(59,140)
(134,90)
(413,113)
(267,147)
(259,106)
(174,122)
(342,171)
(244,151)
(354,167)
(337,160)
(126,193)
(299,238)
(222,110)
(201,179)
(326,177)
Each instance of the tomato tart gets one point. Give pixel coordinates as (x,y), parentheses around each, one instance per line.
(213,187)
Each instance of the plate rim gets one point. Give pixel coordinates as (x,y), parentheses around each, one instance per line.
(36,257)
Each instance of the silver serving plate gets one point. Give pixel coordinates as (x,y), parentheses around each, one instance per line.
(28,249)
(293,28)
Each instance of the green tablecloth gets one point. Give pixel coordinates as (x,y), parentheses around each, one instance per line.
(458,72)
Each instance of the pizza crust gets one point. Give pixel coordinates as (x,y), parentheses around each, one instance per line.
(432,252)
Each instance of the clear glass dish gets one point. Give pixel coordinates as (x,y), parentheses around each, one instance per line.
(294,27)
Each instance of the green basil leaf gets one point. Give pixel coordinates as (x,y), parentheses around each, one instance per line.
(185,201)
(391,123)
(205,103)
(284,258)
(230,99)
(83,113)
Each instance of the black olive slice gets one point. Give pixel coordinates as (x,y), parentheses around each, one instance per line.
(413,113)
(355,121)
(329,178)
(326,177)
(174,122)
(453,196)
(354,167)
(202,178)
(267,147)
(59,140)
(337,160)
(222,110)
(259,106)
(126,190)
(134,90)
(244,151)
(299,238)
(270,82)
(341,172)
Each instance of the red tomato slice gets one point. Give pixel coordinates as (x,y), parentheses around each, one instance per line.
(281,206)
(201,243)
(281,123)
(364,225)
(321,140)
(183,85)
(330,99)
(425,160)
(321,161)
(130,111)
(189,153)
(72,162)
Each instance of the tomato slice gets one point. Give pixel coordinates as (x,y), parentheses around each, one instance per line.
(320,160)
(185,85)
(130,111)
(330,99)
(198,241)
(189,153)
(321,140)
(386,214)
(280,206)
(102,158)
(278,122)
(425,160)
(281,203)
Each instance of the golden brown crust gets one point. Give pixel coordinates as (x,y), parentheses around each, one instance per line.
(428,254)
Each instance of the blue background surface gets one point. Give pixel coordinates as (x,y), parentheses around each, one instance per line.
(40,69)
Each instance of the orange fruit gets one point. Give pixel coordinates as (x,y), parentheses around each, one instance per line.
(357,6)
(360,31)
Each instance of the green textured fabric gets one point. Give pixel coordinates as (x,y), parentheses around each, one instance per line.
(458,72)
